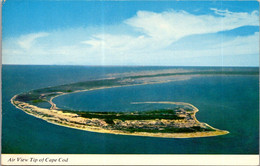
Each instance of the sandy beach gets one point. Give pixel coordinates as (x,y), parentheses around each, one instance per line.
(74,121)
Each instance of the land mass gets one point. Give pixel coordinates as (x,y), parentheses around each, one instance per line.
(176,122)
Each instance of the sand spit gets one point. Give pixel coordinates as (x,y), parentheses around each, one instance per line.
(73,120)
(180,123)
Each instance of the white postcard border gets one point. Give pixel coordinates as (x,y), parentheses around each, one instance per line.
(45,159)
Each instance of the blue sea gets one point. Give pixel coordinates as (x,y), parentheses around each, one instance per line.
(224,102)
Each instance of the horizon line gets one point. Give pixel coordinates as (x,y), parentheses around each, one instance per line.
(119,65)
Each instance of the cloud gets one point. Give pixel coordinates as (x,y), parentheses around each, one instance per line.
(26,41)
(178,24)
(148,38)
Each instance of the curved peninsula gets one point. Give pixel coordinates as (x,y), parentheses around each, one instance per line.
(177,122)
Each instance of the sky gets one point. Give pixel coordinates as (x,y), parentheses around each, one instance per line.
(131,33)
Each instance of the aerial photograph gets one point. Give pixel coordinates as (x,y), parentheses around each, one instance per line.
(130,77)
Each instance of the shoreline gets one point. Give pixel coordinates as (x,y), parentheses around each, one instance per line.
(185,125)
(59,114)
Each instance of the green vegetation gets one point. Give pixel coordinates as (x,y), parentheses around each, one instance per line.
(169,130)
(224,72)
(109,118)
(142,115)
(34,95)
(165,111)
(28,97)
(153,121)
(37,101)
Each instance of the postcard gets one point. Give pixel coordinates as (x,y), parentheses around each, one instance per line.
(130,82)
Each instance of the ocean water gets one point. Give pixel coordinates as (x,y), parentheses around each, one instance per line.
(225,102)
